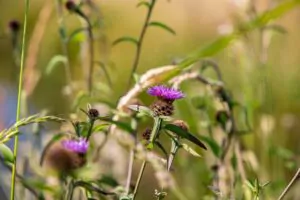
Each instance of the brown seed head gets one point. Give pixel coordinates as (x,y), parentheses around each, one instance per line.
(63,160)
(162,107)
(93,113)
(147,133)
(14,25)
(70,5)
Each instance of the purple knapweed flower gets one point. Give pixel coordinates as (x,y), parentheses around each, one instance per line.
(78,146)
(165,93)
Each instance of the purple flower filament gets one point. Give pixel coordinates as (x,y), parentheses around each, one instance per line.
(78,146)
(165,93)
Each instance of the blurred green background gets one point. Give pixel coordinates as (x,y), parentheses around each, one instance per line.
(261,72)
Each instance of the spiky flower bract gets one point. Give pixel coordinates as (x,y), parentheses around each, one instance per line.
(78,146)
(165,93)
(163,106)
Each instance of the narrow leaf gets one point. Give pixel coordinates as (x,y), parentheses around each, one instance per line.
(7,154)
(100,127)
(125,39)
(121,125)
(78,34)
(141,109)
(184,134)
(144,3)
(54,63)
(190,150)
(224,41)
(163,26)
(216,149)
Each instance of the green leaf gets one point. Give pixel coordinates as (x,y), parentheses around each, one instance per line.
(190,150)
(163,26)
(40,185)
(184,134)
(276,28)
(125,39)
(7,154)
(126,197)
(91,187)
(78,35)
(103,67)
(121,125)
(108,180)
(216,149)
(100,127)
(142,109)
(80,97)
(224,41)
(144,3)
(54,63)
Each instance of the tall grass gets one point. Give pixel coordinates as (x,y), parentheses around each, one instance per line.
(18,112)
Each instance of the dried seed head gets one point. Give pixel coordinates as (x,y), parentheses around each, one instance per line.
(70,5)
(62,159)
(182,124)
(93,113)
(146,134)
(14,25)
(162,107)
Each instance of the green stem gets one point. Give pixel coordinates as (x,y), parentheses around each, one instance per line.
(130,169)
(13,176)
(70,190)
(174,148)
(139,179)
(91,50)
(154,133)
(92,122)
(63,37)
(140,42)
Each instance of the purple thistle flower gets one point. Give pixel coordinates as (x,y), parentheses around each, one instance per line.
(164,92)
(78,146)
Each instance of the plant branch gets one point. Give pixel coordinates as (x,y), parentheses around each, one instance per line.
(154,133)
(14,167)
(139,178)
(130,169)
(63,38)
(289,186)
(140,42)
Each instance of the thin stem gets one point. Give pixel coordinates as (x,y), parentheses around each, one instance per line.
(70,190)
(154,133)
(14,167)
(61,22)
(130,169)
(92,122)
(91,45)
(289,186)
(174,149)
(139,179)
(91,50)
(140,42)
